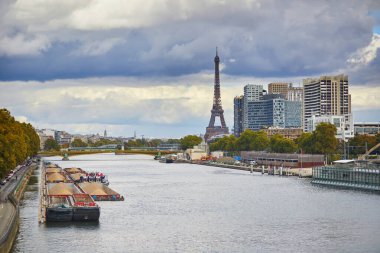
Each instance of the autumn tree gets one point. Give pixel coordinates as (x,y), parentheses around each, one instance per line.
(18,141)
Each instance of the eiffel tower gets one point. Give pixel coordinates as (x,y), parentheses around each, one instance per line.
(216,110)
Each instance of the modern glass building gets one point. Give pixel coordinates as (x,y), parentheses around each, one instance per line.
(252,92)
(238,115)
(293,114)
(274,111)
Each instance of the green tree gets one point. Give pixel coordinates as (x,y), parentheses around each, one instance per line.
(250,140)
(51,144)
(226,143)
(134,143)
(244,142)
(280,144)
(190,141)
(324,140)
(305,143)
(173,141)
(359,141)
(103,141)
(78,143)
(260,141)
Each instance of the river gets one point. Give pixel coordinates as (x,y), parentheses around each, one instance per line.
(193,208)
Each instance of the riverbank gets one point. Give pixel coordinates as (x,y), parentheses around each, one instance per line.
(9,211)
(118,152)
(298,172)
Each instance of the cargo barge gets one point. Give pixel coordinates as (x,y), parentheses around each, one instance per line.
(100,192)
(67,202)
(69,194)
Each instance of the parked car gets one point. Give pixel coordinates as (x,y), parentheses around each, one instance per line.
(2,182)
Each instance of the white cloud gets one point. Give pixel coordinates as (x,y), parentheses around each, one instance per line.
(23,45)
(98,47)
(366,54)
(173,105)
(365,97)
(22,119)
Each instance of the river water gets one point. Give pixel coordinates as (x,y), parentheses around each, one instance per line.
(192,208)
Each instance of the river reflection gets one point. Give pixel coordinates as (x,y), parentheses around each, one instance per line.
(192,208)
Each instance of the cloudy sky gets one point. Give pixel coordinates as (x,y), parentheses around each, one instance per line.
(88,65)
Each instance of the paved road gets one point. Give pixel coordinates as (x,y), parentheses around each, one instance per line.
(12,183)
(6,207)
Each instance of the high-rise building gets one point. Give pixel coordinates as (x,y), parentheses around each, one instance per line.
(325,96)
(294,94)
(252,92)
(238,115)
(278,88)
(273,110)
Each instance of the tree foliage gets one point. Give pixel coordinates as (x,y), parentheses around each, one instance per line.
(190,141)
(227,143)
(78,143)
(51,144)
(280,144)
(321,141)
(17,142)
(305,143)
(359,142)
(324,140)
(250,140)
(103,141)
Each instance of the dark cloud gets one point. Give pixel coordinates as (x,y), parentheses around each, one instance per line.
(263,39)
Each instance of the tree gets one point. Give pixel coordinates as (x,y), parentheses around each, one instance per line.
(51,144)
(132,143)
(280,144)
(250,140)
(260,141)
(190,141)
(17,142)
(103,141)
(324,140)
(359,141)
(78,143)
(305,143)
(244,142)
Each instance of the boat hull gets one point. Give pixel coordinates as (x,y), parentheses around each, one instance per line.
(59,214)
(86,213)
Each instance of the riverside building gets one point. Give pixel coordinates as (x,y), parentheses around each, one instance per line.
(252,92)
(273,110)
(278,88)
(368,128)
(238,115)
(327,96)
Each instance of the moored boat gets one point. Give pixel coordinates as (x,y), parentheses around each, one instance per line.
(59,208)
(85,208)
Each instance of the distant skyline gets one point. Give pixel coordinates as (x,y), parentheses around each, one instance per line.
(149,68)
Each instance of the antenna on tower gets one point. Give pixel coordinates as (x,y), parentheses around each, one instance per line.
(216,51)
